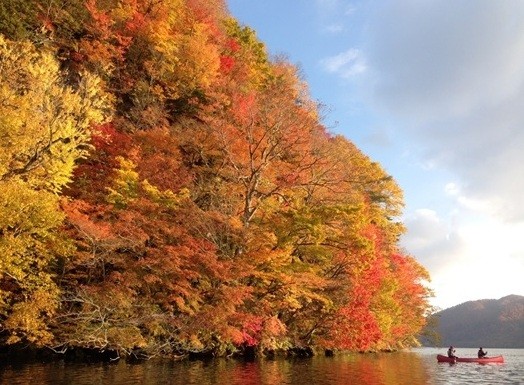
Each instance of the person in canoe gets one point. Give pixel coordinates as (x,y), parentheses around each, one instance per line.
(482,353)
(451,352)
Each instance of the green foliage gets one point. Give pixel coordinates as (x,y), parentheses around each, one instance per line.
(17,18)
(47,22)
(252,52)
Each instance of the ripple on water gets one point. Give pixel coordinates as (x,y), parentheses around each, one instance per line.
(418,367)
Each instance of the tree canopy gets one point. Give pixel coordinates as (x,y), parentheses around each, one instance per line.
(168,188)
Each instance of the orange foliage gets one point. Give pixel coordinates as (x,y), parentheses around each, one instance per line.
(216,212)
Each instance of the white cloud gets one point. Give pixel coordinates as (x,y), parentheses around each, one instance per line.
(453,73)
(472,204)
(467,260)
(452,189)
(333,16)
(350,10)
(436,88)
(447,78)
(345,64)
(450,59)
(489,266)
(330,4)
(343,7)
(334,28)
(432,240)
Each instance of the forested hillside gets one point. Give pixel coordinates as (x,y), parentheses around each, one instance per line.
(496,323)
(167,188)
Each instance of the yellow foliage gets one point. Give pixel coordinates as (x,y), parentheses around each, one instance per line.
(185,59)
(126,337)
(126,188)
(28,245)
(125,185)
(165,198)
(44,130)
(28,318)
(44,125)
(195,343)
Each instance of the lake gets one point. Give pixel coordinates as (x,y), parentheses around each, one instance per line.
(414,367)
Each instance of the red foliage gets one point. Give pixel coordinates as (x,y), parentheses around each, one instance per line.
(226,64)
(282,236)
(251,329)
(137,22)
(101,19)
(92,176)
(232,45)
(160,161)
(358,328)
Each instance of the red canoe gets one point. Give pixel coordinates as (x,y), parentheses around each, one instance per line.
(485,360)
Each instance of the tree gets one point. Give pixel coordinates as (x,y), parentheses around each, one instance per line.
(213,212)
(46,125)
(45,129)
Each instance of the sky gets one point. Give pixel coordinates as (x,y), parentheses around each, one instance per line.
(433,91)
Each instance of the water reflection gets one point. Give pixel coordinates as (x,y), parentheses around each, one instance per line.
(361,369)
(415,368)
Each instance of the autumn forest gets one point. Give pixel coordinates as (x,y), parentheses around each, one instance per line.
(167,188)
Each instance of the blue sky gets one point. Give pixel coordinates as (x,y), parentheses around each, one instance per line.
(434,92)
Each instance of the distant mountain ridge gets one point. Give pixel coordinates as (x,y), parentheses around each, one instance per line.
(495,323)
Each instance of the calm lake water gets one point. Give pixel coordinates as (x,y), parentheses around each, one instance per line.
(415,367)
